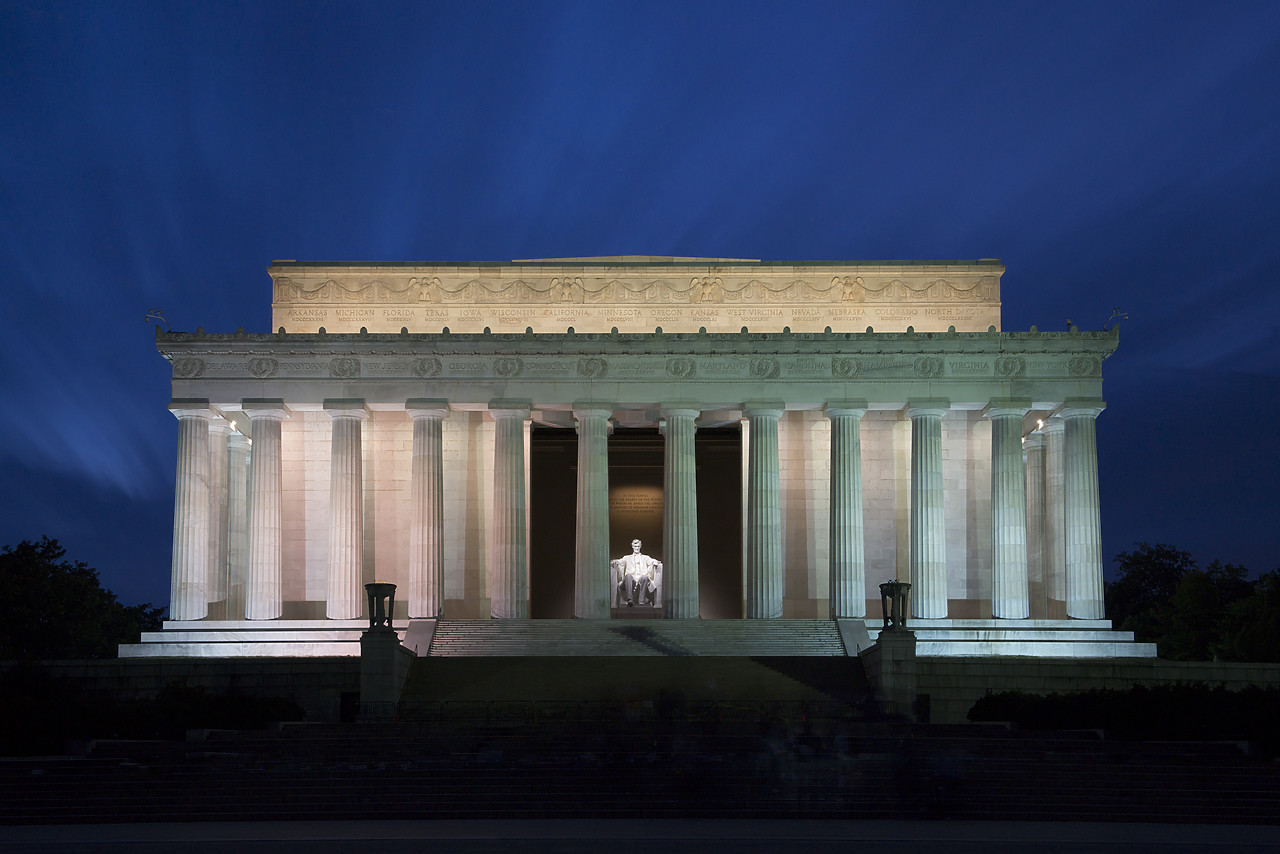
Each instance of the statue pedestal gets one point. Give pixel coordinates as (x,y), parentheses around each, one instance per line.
(384,665)
(643,612)
(891,667)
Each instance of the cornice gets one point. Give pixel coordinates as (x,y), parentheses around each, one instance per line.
(553,343)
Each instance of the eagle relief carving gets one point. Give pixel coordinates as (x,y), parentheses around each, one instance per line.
(706,288)
(426,288)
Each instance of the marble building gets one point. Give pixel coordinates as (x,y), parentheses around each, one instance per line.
(783,437)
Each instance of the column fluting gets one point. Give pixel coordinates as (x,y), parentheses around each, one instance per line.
(847,551)
(1009,598)
(237,522)
(345,591)
(679,515)
(188,598)
(1084,521)
(1034,449)
(592,578)
(510,595)
(928,525)
(219,430)
(764,514)
(426,511)
(1055,514)
(263,583)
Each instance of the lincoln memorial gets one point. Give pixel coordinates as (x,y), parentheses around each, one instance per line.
(780,437)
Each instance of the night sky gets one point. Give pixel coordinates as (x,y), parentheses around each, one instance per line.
(160,155)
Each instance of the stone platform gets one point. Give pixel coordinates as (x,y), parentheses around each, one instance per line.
(253,638)
(1022,638)
(1085,639)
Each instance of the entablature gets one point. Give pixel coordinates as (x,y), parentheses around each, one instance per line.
(803,370)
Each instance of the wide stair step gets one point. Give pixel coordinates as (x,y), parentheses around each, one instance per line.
(734,638)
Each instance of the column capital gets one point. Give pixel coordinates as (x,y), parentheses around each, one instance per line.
(1054,425)
(842,408)
(502,408)
(1034,439)
(1006,407)
(264,408)
(768,408)
(592,408)
(191,407)
(427,407)
(669,410)
(930,406)
(218,425)
(1074,407)
(238,441)
(346,407)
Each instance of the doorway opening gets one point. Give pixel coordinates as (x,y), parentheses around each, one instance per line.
(635,512)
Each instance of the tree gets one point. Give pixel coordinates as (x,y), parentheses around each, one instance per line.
(1252,626)
(1193,623)
(1147,577)
(55,608)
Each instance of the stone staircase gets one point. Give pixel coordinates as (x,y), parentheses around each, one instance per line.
(614,638)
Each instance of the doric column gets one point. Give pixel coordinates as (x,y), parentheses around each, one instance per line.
(510,594)
(591,547)
(345,591)
(1033,447)
(679,515)
(1084,522)
(764,513)
(1008,511)
(237,522)
(848,553)
(928,526)
(219,429)
(426,509)
(190,573)
(263,584)
(1055,510)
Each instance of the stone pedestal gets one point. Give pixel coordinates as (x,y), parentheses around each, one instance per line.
(679,515)
(891,669)
(592,577)
(384,665)
(384,662)
(510,594)
(346,509)
(848,552)
(764,514)
(1008,511)
(426,508)
(188,595)
(928,524)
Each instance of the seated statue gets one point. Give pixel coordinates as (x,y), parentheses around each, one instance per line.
(638,578)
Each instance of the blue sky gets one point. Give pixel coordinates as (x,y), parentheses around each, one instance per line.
(160,155)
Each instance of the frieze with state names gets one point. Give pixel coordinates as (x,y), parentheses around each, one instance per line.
(705,368)
(676,360)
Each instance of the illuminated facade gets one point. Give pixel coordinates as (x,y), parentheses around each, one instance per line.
(782,436)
